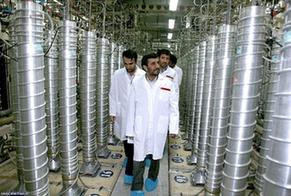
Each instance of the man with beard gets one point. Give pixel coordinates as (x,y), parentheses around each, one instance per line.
(173,62)
(166,70)
(118,99)
(153,110)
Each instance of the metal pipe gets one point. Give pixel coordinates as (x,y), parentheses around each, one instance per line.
(103,76)
(193,78)
(67,8)
(217,141)
(191,82)
(112,139)
(228,13)
(198,176)
(68,111)
(51,89)
(277,179)
(183,103)
(104,20)
(90,14)
(247,79)
(29,25)
(199,96)
(90,164)
(13,69)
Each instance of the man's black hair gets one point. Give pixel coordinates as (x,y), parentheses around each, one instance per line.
(163,51)
(144,60)
(173,59)
(130,54)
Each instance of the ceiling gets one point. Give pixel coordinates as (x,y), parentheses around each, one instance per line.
(143,24)
(152,16)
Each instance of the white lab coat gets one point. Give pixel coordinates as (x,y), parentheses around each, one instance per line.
(118,98)
(179,72)
(172,75)
(152,111)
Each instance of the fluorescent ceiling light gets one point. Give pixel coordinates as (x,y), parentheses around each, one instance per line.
(173,5)
(171,23)
(170,35)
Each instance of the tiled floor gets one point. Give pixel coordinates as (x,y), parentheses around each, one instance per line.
(98,186)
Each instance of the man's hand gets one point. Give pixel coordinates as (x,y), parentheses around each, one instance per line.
(112,119)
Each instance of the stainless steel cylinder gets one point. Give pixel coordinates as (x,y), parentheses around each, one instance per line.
(190,99)
(247,77)
(199,96)
(51,95)
(13,69)
(268,117)
(112,139)
(225,51)
(90,164)
(185,103)
(68,111)
(277,177)
(103,76)
(28,26)
(206,110)
(183,98)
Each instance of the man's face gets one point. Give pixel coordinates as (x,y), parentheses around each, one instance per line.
(164,60)
(153,68)
(129,64)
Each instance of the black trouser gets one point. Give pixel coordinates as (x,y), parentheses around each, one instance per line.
(138,170)
(128,149)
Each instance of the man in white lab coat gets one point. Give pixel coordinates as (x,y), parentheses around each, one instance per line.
(152,111)
(179,71)
(118,99)
(166,70)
